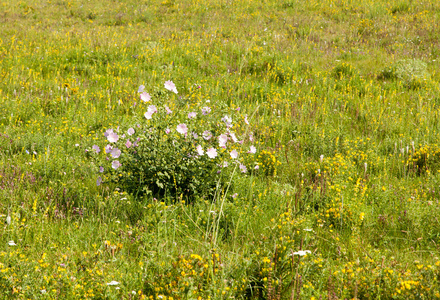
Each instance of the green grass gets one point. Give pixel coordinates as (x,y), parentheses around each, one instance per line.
(343,102)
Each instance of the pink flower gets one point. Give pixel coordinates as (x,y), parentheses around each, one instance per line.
(192,115)
(228,121)
(141,89)
(243,168)
(128,144)
(116,164)
(108,149)
(96,148)
(115,153)
(234,154)
(107,132)
(182,129)
(99,181)
(152,109)
(167,130)
(200,150)
(207,135)
(206,110)
(246,120)
(211,152)
(169,85)
(169,111)
(252,150)
(222,139)
(145,97)
(130,131)
(148,115)
(112,137)
(233,137)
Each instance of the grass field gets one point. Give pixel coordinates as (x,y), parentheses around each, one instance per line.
(277,149)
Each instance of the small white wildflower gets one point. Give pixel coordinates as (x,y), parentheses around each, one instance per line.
(302,252)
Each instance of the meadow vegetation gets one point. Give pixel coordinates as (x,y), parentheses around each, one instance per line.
(219,149)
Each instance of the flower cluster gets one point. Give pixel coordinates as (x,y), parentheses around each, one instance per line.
(176,151)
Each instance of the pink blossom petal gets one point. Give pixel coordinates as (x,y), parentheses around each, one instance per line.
(222,139)
(169,85)
(206,110)
(182,129)
(112,137)
(148,115)
(252,150)
(96,148)
(233,137)
(152,108)
(169,111)
(108,149)
(211,152)
(200,150)
(207,135)
(145,97)
(115,153)
(116,164)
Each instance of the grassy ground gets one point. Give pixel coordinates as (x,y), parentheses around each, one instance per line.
(343,101)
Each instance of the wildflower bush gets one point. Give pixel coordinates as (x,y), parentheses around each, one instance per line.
(190,150)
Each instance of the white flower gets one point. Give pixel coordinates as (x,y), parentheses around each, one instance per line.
(234,154)
(302,252)
(12,243)
(112,283)
(252,150)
